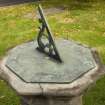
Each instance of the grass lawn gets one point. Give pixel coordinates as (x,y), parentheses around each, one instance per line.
(82,22)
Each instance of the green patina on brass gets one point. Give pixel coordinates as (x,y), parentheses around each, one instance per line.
(32,66)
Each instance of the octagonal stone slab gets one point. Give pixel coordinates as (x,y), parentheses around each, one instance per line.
(34,67)
(73,89)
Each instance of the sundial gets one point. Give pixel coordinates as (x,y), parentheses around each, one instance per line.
(47,60)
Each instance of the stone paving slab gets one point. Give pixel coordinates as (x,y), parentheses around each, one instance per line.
(47,11)
(13,2)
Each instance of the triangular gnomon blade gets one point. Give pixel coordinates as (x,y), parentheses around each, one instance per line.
(45,39)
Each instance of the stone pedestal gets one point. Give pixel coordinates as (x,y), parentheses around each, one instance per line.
(50,92)
(49,100)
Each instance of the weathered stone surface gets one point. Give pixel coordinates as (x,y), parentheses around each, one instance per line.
(16,83)
(73,89)
(43,100)
(78,86)
(35,67)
